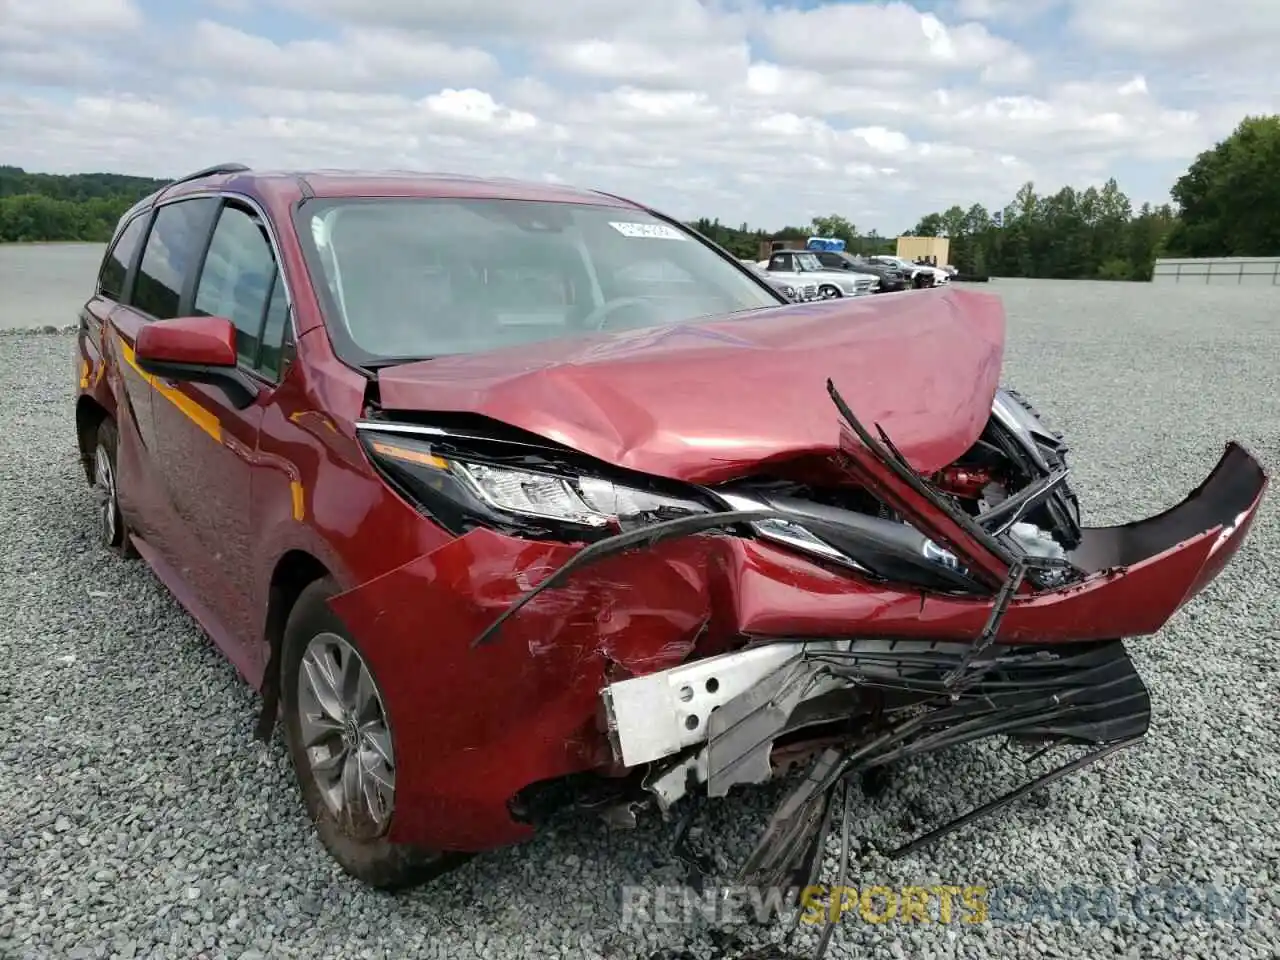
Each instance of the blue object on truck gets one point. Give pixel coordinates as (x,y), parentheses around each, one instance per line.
(826,243)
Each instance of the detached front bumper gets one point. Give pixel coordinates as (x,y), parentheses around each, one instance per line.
(506,662)
(850,707)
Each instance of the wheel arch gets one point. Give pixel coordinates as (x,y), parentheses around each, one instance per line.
(293,573)
(89,416)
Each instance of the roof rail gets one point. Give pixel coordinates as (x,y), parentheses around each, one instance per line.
(208,172)
(211,171)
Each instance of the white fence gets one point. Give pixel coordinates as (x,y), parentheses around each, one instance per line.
(1231,271)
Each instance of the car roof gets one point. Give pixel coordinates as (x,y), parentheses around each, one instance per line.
(285,185)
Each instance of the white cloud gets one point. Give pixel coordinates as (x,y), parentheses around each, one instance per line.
(863,35)
(751,110)
(1181,28)
(1016,11)
(362,58)
(70,16)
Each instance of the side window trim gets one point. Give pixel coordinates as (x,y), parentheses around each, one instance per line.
(280,276)
(187,299)
(254,213)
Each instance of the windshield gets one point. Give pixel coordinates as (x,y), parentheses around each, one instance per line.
(807,261)
(419,278)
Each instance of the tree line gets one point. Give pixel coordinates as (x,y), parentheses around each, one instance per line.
(1226,204)
(53,207)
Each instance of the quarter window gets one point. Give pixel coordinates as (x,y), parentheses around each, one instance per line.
(237,282)
(172,255)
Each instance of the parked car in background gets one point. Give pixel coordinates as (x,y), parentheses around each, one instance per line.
(796,292)
(803,266)
(922,276)
(892,279)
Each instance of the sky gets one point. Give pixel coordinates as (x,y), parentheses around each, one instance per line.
(763,112)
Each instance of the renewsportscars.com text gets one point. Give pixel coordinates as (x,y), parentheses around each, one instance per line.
(962,904)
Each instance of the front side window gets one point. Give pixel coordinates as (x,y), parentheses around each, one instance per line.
(171,256)
(274,331)
(237,279)
(409,278)
(115,265)
(807,261)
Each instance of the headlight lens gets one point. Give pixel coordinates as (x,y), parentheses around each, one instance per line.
(462,493)
(528,494)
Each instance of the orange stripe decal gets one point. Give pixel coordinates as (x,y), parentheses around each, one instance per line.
(197,414)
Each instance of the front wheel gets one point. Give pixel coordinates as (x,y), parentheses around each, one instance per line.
(339,734)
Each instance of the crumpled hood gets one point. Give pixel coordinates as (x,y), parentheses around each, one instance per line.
(717,399)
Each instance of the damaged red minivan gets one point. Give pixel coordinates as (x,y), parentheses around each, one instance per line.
(510,495)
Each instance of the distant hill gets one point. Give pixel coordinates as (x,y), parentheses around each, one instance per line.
(77,206)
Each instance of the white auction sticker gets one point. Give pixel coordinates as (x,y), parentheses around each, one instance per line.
(648,231)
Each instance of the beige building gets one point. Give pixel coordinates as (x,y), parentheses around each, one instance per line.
(913,248)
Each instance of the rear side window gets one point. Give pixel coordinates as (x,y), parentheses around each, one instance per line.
(237,280)
(171,256)
(115,265)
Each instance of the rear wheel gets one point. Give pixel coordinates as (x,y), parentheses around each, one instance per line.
(112,531)
(339,734)
(829,291)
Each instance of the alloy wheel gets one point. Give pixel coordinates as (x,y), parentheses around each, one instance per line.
(346,736)
(104,483)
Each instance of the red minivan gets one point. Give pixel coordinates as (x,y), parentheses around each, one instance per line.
(506,495)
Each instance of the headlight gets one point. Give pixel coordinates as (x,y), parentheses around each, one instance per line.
(553,503)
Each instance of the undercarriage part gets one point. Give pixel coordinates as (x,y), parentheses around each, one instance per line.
(1087,696)
(1091,757)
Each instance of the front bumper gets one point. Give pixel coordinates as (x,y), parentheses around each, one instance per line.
(856,706)
(475,725)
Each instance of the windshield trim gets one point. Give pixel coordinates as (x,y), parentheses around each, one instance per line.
(368,364)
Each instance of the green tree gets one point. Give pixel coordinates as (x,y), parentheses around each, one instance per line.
(835,226)
(1229,199)
(51,207)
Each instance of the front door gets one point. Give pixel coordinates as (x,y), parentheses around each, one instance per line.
(204,257)
(209,473)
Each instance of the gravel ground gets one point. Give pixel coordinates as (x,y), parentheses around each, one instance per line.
(139,818)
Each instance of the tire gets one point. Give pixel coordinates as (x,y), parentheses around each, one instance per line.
(829,291)
(357,843)
(113,532)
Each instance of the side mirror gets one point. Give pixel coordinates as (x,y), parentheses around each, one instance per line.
(197,350)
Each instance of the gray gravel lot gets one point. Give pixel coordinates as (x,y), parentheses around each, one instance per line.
(139,818)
